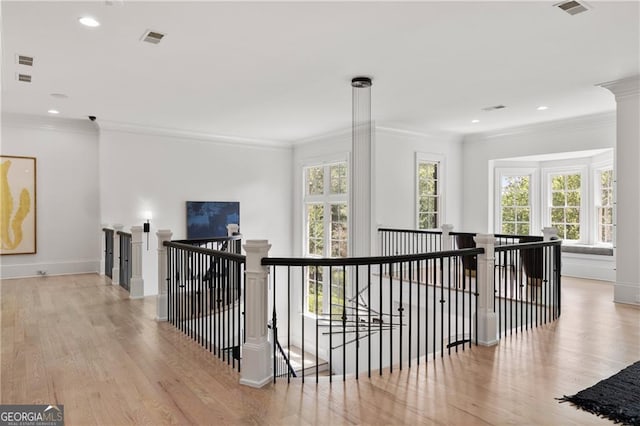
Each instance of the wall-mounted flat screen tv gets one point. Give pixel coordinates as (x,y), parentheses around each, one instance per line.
(209,219)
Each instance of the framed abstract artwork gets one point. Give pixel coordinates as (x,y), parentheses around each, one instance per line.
(18,205)
(209,219)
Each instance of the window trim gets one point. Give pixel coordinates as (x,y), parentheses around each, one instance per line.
(534,201)
(326,199)
(585,199)
(596,169)
(425,157)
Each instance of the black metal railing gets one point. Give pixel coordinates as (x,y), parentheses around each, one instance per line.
(394,242)
(108,252)
(362,319)
(205,297)
(466,239)
(125,260)
(282,359)
(527,284)
(231,244)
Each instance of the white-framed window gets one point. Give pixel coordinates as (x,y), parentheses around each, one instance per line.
(429,194)
(326,221)
(565,204)
(604,202)
(516,200)
(515,204)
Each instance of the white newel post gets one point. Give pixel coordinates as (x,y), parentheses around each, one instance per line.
(256,351)
(161,302)
(232,229)
(115,272)
(136,286)
(447,238)
(549,233)
(487,319)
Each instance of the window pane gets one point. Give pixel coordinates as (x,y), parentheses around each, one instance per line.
(573,232)
(508,214)
(605,211)
(558,199)
(523,229)
(508,228)
(573,198)
(338,230)
(315,180)
(557,182)
(515,199)
(337,292)
(573,182)
(428,195)
(522,215)
(315,229)
(338,174)
(314,289)
(572,215)
(557,216)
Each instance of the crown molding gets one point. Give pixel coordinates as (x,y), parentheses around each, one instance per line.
(57,124)
(623,87)
(344,133)
(116,126)
(414,133)
(585,122)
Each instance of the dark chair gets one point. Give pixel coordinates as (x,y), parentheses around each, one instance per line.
(533,263)
(469,263)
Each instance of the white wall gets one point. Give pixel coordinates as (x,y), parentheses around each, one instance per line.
(142,171)
(395,174)
(577,134)
(67,220)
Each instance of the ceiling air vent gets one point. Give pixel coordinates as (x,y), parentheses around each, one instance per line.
(572,7)
(25,60)
(153,37)
(24,77)
(493,108)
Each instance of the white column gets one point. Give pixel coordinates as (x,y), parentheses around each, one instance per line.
(627,189)
(115,272)
(447,238)
(487,319)
(360,229)
(256,351)
(161,302)
(136,285)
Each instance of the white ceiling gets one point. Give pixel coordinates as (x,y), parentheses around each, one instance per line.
(282,71)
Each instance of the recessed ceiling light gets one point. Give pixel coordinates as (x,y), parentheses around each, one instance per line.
(475,121)
(542,107)
(53,111)
(88,21)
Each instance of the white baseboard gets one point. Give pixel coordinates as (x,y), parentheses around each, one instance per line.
(50,268)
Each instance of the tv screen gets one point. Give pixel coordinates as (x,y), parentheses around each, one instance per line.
(209,219)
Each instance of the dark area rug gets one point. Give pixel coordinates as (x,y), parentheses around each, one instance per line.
(616,398)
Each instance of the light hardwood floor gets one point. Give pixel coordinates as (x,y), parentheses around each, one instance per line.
(75,340)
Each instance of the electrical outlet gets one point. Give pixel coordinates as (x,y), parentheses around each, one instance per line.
(42,273)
